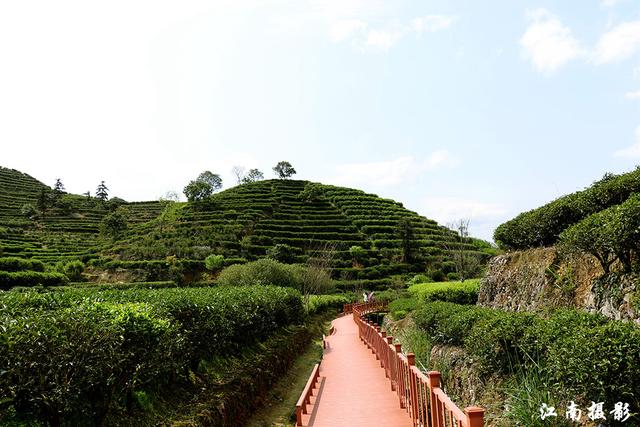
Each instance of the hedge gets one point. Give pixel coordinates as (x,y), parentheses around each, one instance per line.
(20,264)
(584,354)
(76,355)
(9,280)
(542,226)
(459,292)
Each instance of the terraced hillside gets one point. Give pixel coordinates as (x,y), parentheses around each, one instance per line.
(68,231)
(357,233)
(245,222)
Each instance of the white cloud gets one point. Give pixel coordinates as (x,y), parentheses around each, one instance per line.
(391,172)
(383,39)
(620,43)
(448,209)
(548,43)
(632,152)
(347,28)
(432,23)
(632,95)
(611,3)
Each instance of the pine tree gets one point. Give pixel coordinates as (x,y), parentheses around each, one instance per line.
(102,192)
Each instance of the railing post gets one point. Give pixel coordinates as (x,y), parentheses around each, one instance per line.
(475,416)
(413,393)
(434,382)
(398,364)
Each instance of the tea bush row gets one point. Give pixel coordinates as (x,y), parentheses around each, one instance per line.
(20,264)
(542,226)
(584,354)
(76,355)
(458,292)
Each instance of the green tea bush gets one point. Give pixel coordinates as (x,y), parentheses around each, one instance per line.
(609,235)
(214,262)
(400,307)
(76,355)
(20,264)
(30,278)
(585,354)
(459,292)
(543,226)
(283,253)
(261,272)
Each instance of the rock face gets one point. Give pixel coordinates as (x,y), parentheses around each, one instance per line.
(538,278)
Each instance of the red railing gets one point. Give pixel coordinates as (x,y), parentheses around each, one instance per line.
(305,398)
(419,393)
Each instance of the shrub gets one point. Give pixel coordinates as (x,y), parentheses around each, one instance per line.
(78,354)
(437,275)
(73,270)
(282,253)
(584,354)
(610,235)
(261,272)
(214,262)
(459,292)
(400,307)
(543,226)
(28,210)
(20,264)
(30,278)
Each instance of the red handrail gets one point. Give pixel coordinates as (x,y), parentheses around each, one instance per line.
(419,393)
(305,397)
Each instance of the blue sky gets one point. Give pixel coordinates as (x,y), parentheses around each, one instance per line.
(455,108)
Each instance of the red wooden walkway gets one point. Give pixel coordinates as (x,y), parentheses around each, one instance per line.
(353,390)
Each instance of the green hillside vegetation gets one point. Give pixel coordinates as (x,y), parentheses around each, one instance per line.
(543,226)
(359,236)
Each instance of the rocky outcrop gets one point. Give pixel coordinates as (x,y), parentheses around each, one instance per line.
(538,278)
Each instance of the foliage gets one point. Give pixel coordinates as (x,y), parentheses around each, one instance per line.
(79,354)
(584,354)
(543,226)
(102,192)
(312,192)
(114,223)
(252,176)
(20,264)
(30,278)
(213,179)
(284,170)
(357,253)
(28,210)
(214,262)
(406,236)
(400,307)
(261,272)
(72,269)
(197,191)
(458,292)
(282,253)
(609,235)
(318,303)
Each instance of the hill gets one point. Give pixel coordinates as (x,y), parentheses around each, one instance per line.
(359,234)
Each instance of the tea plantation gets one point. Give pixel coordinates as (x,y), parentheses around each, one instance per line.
(363,237)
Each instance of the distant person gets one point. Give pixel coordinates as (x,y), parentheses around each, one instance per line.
(366,297)
(371,297)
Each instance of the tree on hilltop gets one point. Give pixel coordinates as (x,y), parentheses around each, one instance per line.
(102,192)
(58,187)
(284,170)
(252,176)
(213,179)
(238,171)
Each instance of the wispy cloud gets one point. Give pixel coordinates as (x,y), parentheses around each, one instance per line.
(448,209)
(620,43)
(632,152)
(392,172)
(364,35)
(547,43)
(632,95)
(611,3)
(432,23)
